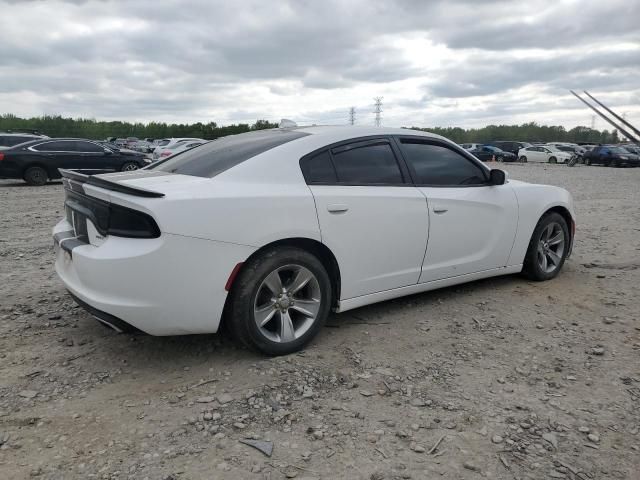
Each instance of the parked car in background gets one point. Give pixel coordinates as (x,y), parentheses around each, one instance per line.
(131,142)
(611,155)
(11,139)
(635,149)
(39,160)
(471,146)
(544,154)
(510,146)
(165,152)
(170,142)
(279,227)
(568,147)
(489,153)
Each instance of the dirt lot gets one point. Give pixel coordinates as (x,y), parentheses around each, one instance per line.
(497,379)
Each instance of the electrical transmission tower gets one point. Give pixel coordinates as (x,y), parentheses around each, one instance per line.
(352,115)
(378,110)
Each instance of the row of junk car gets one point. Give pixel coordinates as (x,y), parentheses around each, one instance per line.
(498,151)
(622,155)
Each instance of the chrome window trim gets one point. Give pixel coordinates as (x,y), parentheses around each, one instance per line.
(32,147)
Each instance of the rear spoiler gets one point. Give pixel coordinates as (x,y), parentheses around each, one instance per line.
(107,184)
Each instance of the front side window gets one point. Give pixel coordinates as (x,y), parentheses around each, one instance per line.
(365,163)
(438,165)
(88,147)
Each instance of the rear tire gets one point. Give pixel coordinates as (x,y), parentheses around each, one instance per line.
(36,176)
(129,167)
(548,248)
(587,161)
(268,310)
(523,159)
(553,160)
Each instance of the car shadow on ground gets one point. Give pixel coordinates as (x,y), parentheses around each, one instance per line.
(155,354)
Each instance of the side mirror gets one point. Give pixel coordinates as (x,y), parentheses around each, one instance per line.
(497,177)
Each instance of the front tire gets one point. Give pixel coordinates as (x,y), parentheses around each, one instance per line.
(279,301)
(553,160)
(523,159)
(548,248)
(36,176)
(129,167)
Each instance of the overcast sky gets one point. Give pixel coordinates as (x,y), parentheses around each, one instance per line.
(436,63)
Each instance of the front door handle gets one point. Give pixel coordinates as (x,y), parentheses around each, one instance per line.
(440,211)
(337,208)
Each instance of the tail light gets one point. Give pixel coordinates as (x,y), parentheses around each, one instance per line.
(111,219)
(1,156)
(165,154)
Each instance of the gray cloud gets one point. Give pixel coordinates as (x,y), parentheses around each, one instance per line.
(149,60)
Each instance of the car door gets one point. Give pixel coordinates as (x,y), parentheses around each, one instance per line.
(58,154)
(472,224)
(370,216)
(95,159)
(535,154)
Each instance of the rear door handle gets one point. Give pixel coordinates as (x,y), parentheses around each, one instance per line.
(440,210)
(337,208)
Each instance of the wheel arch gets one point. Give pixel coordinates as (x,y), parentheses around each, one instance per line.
(316,248)
(50,172)
(571,223)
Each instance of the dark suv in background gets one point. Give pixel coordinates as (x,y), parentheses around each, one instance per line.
(10,139)
(611,155)
(39,160)
(509,146)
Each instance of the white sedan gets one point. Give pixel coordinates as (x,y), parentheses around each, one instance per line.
(269,231)
(544,154)
(164,152)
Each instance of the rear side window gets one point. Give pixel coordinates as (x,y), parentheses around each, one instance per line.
(318,169)
(215,157)
(60,146)
(439,165)
(367,163)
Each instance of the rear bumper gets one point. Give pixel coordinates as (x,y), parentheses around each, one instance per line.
(170,285)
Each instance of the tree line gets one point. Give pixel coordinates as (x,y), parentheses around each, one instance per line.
(527,132)
(58,126)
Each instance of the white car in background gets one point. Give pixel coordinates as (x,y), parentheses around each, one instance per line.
(166,152)
(472,146)
(544,154)
(169,142)
(268,231)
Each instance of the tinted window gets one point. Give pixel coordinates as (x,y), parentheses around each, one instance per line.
(11,140)
(215,157)
(60,146)
(366,164)
(319,169)
(437,165)
(88,147)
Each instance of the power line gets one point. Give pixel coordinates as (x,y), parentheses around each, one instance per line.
(352,115)
(378,110)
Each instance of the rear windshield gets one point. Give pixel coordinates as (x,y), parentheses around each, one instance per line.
(215,157)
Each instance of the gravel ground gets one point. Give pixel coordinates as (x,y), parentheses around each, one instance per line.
(498,379)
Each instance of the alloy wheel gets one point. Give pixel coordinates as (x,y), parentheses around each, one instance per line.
(129,167)
(287,303)
(551,247)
